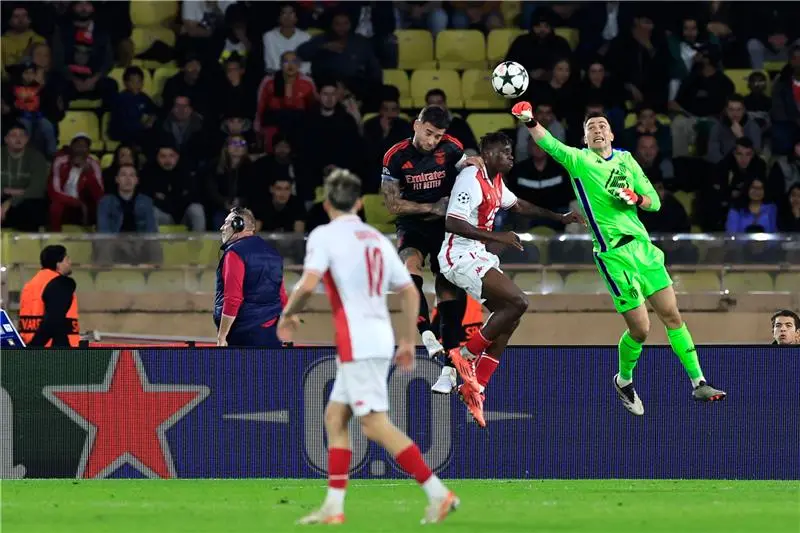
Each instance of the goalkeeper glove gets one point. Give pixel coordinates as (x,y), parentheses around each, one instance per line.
(524,112)
(629,197)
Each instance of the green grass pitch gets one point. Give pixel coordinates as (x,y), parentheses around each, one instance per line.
(272,506)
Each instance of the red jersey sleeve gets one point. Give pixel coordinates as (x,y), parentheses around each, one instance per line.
(233,282)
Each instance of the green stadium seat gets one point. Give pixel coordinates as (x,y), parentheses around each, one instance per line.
(173,281)
(120,281)
(415,49)
(787,282)
(399,79)
(449,81)
(476,88)
(498,43)
(544,282)
(377,214)
(461,49)
(584,282)
(483,123)
(743,282)
(696,282)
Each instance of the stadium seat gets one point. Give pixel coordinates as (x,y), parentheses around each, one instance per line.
(774,66)
(160,77)
(315,31)
(143,39)
(476,88)
(544,282)
(498,43)
(743,282)
(120,281)
(787,282)
(208,281)
(80,251)
(23,251)
(74,228)
(107,160)
(172,228)
(584,282)
(376,213)
(483,123)
(5,247)
(173,281)
(630,120)
(84,280)
(159,13)
(696,281)
(398,78)
(739,78)
(415,49)
(511,10)
(176,253)
(205,252)
(461,49)
(84,105)
(110,144)
(118,74)
(447,80)
(686,199)
(572,36)
(75,122)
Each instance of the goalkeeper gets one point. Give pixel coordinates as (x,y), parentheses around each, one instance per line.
(611,186)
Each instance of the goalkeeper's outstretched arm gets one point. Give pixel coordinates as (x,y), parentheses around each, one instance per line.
(567,156)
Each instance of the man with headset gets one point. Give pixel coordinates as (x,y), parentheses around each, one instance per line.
(250,294)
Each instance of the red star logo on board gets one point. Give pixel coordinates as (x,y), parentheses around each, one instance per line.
(126,418)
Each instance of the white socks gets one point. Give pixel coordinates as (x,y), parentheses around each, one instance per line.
(623,382)
(335,499)
(434,488)
(696,381)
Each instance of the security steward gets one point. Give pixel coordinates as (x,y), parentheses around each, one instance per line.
(250,293)
(48,310)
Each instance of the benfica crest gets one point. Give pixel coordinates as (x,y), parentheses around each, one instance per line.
(440,157)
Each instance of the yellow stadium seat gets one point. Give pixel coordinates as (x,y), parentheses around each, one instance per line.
(176,253)
(663,119)
(787,282)
(119,281)
(84,105)
(75,122)
(423,81)
(5,248)
(110,143)
(584,282)
(630,120)
(774,66)
(143,38)
(544,282)
(398,78)
(376,213)
(107,160)
(415,49)
(118,75)
(205,252)
(80,251)
(510,10)
(23,251)
(498,43)
(483,123)
(84,280)
(696,281)
(315,31)
(208,281)
(73,228)
(173,281)
(172,228)
(686,199)
(476,87)
(461,49)
(572,36)
(743,282)
(160,77)
(159,13)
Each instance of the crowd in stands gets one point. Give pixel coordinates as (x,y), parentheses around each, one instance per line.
(260,109)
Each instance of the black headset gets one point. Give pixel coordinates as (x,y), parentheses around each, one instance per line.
(237,222)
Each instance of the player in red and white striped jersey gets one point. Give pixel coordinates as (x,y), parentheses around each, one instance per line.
(478,194)
(359,266)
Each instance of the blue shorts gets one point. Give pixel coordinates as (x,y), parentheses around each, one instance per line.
(255,338)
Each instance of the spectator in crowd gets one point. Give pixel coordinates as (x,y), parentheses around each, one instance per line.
(183,128)
(340,54)
(283,164)
(599,86)
(683,50)
(785,328)
(175,195)
(286,37)
(342,143)
(734,124)
(560,89)
(423,15)
(18,40)
(541,180)
(482,16)
(701,98)
(789,215)
(201,29)
(31,103)
(236,40)
(785,172)
(231,181)
(235,121)
(540,48)
(543,113)
(720,23)
(235,89)
(133,113)
(23,174)
(655,166)
(82,50)
(376,21)
(49,80)
(599,24)
(191,83)
(753,210)
(647,124)
(639,57)
(727,184)
(126,211)
(125,154)
(282,98)
(671,218)
(458,126)
(382,132)
(757,103)
(786,105)
(75,185)
(774,32)
(283,211)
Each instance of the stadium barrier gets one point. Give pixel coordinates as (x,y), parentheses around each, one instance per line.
(552,413)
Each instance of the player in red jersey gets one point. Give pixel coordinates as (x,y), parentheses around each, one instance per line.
(478,194)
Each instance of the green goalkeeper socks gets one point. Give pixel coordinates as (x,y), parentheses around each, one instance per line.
(682,344)
(629,352)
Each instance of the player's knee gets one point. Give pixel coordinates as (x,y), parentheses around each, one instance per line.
(334,422)
(640,330)
(672,319)
(372,425)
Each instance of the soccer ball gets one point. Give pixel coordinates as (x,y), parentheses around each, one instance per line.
(509,79)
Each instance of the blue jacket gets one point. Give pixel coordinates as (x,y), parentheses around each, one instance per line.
(261,287)
(110,215)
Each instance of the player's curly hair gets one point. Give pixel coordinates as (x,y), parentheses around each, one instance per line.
(491,139)
(342,189)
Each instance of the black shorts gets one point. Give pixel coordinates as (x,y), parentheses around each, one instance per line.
(426,238)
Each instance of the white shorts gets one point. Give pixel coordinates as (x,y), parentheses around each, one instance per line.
(362,385)
(468,271)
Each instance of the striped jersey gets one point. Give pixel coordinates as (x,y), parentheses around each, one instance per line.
(359,266)
(594,180)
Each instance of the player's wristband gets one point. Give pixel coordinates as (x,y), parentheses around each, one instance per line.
(639,199)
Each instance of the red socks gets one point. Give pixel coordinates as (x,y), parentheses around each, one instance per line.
(412,462)
(478,343)
(338,466)
(485,368)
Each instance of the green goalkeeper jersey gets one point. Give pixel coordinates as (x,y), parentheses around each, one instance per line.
(594,180)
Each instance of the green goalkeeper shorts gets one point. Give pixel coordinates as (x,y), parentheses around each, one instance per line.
(632,273)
